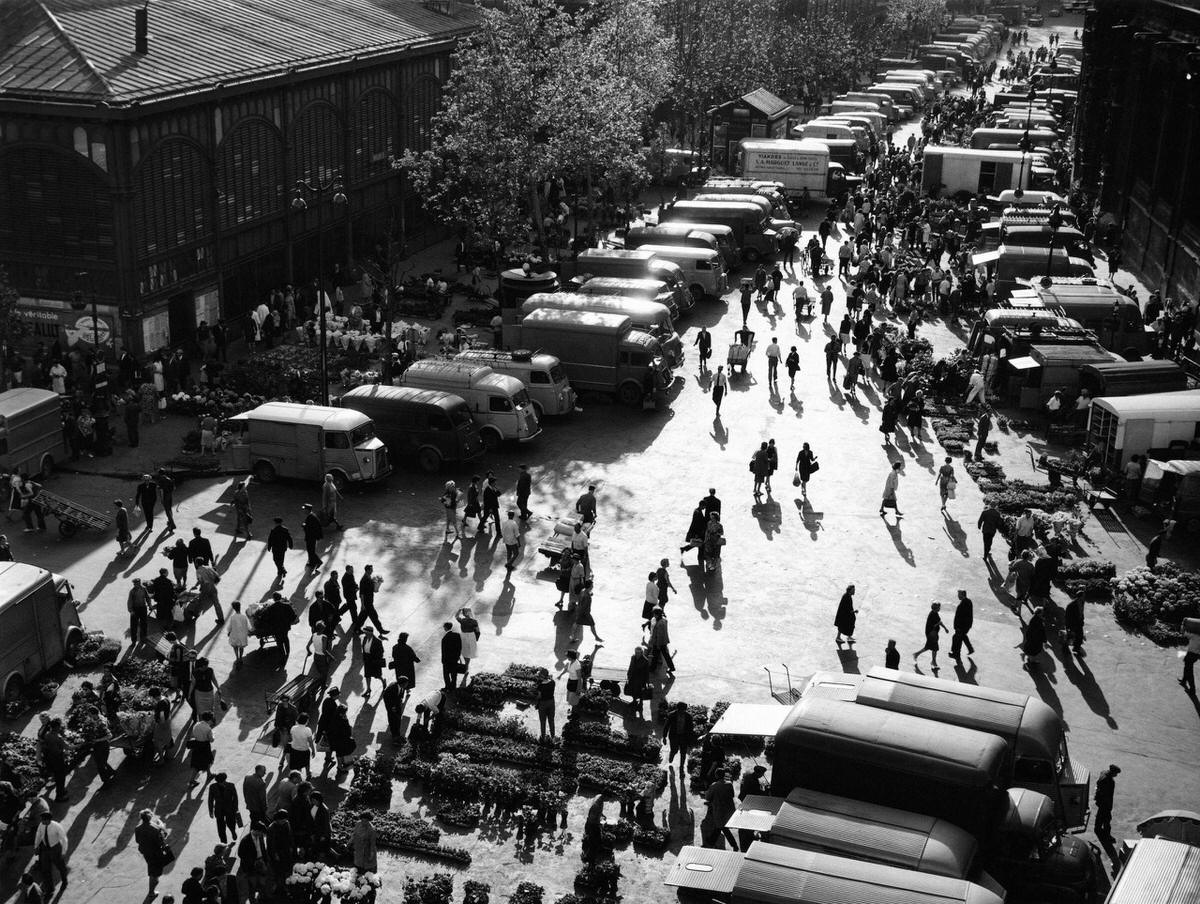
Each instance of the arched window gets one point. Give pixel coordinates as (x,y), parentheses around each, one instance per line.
(375,132)
(315,149)
(53,202)
(173,187)
(423,100)
(249,173)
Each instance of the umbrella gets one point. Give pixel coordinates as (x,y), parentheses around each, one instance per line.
(1176,825)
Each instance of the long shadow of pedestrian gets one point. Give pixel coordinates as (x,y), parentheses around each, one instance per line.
(1041,672)
(441,565)
(966,676)
(796,404)
(715,601)
(484,553)
(958,537)
(848,658)
(811,518)
(502,609)
(898,539)
(151,548)
(835,396)
(719,434)
(861,411)
(776,400)
(1076,669)
(769,516)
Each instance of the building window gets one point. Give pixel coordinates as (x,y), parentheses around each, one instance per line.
(54,205)
(81,140)
(315,149)
(375,129)
(423,100)
(173,187)
(249,173)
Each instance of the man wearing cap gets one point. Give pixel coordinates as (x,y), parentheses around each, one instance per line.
(1106,785)
(312,533)
(147,498)
(139,606)
(279,541)
(511,533)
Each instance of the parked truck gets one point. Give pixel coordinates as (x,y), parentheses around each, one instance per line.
(973,171)
(799,165)
(288,439)
(599,352)
(31,435)
(39,624)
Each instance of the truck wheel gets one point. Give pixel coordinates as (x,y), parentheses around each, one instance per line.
(698,293)
(537,409)
(67,529)
(14,688)
(340,480)
(491,440)
(71,644)
(47,466)
(264,472)
(429,461)
(630,394)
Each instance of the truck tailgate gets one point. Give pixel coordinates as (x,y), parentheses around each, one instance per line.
(756,720)
(756,813)
(704,869)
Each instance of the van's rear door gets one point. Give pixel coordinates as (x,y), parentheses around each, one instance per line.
(754,720)
(705,869)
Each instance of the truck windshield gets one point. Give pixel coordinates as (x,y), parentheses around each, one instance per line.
(521,399)
(365,433)
(460,416)
(557,375)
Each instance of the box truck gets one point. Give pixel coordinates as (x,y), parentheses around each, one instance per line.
(973,171)
(31,436)
(39,624)
(799,165)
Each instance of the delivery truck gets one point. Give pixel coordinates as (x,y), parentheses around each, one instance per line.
(972,171)
(799,165)
(39,625)
(599,352)
(31,434)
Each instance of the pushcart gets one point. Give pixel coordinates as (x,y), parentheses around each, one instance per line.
(71,516)
(739,350)
(559,540)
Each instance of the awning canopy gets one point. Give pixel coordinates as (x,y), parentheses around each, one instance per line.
(984,258)
(1023,363)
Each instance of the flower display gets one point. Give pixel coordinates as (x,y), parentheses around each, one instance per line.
(1156,601)
(333,883)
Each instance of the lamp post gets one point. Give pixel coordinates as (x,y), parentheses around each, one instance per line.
(318,189)
(1054,222)
(100,377)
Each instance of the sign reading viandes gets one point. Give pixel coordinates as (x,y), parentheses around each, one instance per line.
(789,163)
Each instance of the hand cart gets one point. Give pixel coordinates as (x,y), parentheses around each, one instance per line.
(559,540)
(302,691)
(70,515)
(739,350)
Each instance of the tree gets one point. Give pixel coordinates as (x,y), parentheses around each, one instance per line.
(13,327)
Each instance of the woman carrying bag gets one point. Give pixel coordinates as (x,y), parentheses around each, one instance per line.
(151,839)
(806,466)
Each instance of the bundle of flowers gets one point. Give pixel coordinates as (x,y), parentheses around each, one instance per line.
(617,778)
(476,892)
(651,837)
(352,378)
(1156,601)
(397,832)
(568,898)
(527,893)
(48,690)
(461,815)
(523,672)
(600,876)
(143,673)
(615,834)
(988,474)
(20,757)
(95,650)
(372,782)
(590,734)
(134,724)
(435,889)
(328,882)
(593,702)
(486,749)
(1018,495)
(489,690)
(293,370)
(954,435)
(488,724)
(220,403)
(1092,577)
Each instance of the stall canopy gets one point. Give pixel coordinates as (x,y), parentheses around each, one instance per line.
(1167,405)
(1023,363)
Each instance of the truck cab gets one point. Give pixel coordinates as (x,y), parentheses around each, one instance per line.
(39,624)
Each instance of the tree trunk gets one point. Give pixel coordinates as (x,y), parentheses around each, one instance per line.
(535,204)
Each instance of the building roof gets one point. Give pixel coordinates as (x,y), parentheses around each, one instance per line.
(766,103)
(83,50)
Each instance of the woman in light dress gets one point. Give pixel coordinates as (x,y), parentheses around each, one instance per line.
(469,628)
(330,500)
(238,631)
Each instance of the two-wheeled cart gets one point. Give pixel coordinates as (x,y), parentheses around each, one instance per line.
(71,516)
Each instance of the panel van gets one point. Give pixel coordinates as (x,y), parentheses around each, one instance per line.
(755,235)
(429,426)
(39,625)
(647,316)
(31,435)
(774,192)
(752,198)
(882,101)
(703,272)
(905,99)
(871,120)
(633,264)
(646,289)
(696,235)
(822,128)
(499,403)
(543,377)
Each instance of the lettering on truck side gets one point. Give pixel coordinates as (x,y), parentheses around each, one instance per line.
(775,162)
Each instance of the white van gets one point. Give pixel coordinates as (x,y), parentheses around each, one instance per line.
(886,107)
(872,121)
(542,376)
(647,316)
(703,269)
(499,404)
(858,132)
(822,129)
(926,77)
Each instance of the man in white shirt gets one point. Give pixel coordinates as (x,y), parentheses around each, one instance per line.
(510,532)
(579,546)
(50,845)
(430,708)
(773,356)
(301,746)
(58,378)
(975,387)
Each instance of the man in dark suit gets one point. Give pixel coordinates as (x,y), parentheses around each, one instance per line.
(279,541)
(199,549)
(491,504)
(451,653)
(312,533)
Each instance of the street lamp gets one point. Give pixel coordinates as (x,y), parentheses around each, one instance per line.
(1055,220)
(319,189)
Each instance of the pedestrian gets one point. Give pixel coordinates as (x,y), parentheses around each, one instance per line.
(5,550)
(373,658)
(964,619)
(793,367)
(491,503)
(404,662)
(760,467)
(1034,638)
(468,630)
(1020,574)
(1106,787)
(890,486)
(201,746)
(146,498)
(312,533)
(200,549)
(472,508)
(720,386)
(679,731)
(990,521)
(637,681)
(721,806)
(254,794)
(946,481)
(891,656)
(774,354)
(162,592)
(162,737)
(583,615)
(254,867)
(662,581)
(826,300)
(983,426)
(281,845)
(933,628)
(138,604)
(166,494)
(832,349)
(241,509)
(368,587)
(180,559)
(694,538)
(580,542)
(806,466)
(207,580)
(510,532)
(451,653)
(393,697)
(223,807)
(301,746)
(1155,546)
(331,500)
(150,836)
(846,616)
(545,703)
(524,488)
(704,344)
(746,301)
(205,691)
(1073,625)
(887,420)
(124,536)
(660,642)
(975,388)
(772,462)
(53,748)
(586,506)
(845,330)
(50,847)
(449,501)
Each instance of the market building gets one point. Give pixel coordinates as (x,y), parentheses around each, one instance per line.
(149,152)
(1137,134)
(759,114)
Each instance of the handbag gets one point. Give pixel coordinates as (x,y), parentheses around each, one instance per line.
(814,467)
(166,855)
(951,486)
